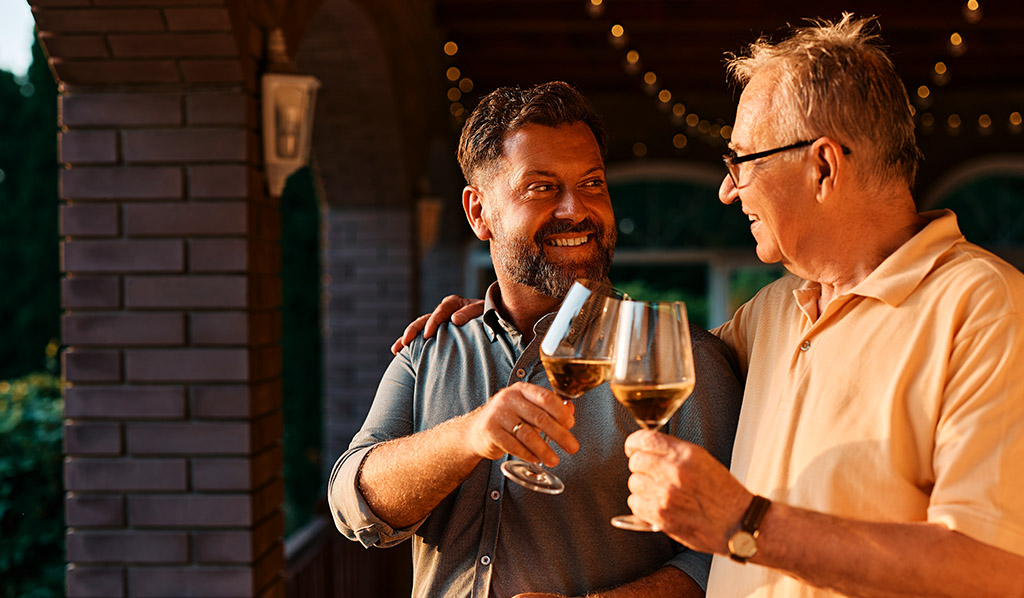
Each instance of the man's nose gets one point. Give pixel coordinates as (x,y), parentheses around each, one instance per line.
(571,207)
(727,191)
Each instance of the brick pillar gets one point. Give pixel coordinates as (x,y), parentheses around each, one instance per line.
(171,297)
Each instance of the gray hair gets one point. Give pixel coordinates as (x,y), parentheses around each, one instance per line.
(836,80)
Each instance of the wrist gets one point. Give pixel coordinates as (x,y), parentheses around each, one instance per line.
(742,544)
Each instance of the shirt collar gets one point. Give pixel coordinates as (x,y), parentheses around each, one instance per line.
(495,324)
(900,273)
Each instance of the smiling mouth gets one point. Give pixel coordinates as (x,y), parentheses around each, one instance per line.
(569,242)
(753,218)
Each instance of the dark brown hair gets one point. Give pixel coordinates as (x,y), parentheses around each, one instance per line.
(507,109)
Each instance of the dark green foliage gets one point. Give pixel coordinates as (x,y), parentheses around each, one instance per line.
(29,268)
(301,347)
(31,493)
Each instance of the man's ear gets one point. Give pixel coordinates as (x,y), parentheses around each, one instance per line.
(472,204)
(829,160)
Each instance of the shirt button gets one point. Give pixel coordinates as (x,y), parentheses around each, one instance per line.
(485,560)
(805,345)
(520,373)
(495,495)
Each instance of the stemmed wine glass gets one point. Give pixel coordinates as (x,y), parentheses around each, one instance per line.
(653,369)
(577,355)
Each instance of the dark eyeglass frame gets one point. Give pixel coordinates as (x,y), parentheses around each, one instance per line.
(731,160)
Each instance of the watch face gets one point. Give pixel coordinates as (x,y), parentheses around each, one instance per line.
(743,545)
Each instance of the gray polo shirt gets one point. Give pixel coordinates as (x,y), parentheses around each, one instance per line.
(491,537)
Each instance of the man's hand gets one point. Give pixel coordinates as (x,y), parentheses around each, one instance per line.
(458,310)
(683,491)
(494,430)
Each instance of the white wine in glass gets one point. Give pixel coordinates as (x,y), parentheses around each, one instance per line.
(577,355)
(653,369)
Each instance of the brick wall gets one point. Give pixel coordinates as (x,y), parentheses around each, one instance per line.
(171,295)
(369,258)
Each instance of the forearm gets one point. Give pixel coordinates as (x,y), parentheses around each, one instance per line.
(884,560)
(403,480)
(667,582)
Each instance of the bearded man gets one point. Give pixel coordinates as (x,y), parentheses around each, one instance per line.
(449,410)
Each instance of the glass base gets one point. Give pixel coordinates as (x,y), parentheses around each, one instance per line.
(532,476)
(632,523)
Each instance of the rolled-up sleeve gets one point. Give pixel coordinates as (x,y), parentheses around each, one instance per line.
(390,417)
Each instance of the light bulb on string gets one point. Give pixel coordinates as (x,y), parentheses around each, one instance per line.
(984,124)
(956,45)
(940,73)
(679,141)
(451,48)
(953,124)
(927,122)
(617,36)
(972,11)
(650,82)
(453,73)
(595,8)
(639,149)
(1015,122)
(632,63)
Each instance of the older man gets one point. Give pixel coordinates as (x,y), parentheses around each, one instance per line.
(426,464)
(880,449)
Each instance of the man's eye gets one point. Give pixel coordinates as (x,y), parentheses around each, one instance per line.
(595,183)
(541,188)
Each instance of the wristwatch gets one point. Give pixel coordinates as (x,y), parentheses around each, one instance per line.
(743,543)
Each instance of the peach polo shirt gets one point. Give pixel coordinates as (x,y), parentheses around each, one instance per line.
(903,401)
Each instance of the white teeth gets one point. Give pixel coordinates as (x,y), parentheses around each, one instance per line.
(752,218)
(573,242)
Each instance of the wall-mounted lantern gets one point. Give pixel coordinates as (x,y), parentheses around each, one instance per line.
(288,102)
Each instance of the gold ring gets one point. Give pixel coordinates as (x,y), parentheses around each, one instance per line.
(516,427)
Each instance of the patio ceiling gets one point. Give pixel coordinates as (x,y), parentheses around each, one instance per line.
(683,42)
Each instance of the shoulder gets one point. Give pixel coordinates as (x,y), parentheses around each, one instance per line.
(710,352)
(449,339)
(983,284)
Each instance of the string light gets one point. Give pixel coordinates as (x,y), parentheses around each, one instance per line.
(466,85)
(451,48)
(618,37)
(679,141)
(453,73)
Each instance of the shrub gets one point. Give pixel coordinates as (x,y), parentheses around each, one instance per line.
(31,492)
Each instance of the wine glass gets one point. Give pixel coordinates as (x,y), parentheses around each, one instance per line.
(577,355)
(653,369)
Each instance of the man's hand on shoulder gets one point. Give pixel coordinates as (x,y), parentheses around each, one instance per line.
(457,310)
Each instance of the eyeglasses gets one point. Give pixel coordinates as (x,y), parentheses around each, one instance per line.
(732,161)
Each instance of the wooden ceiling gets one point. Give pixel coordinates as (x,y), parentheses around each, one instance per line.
(504,42)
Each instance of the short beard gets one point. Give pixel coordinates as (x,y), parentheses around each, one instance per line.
(525,263)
